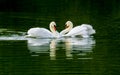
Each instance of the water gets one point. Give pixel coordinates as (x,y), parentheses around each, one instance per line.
(72,56)
(98,55)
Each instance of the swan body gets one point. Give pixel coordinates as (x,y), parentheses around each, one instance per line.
(83,30)
(43,32)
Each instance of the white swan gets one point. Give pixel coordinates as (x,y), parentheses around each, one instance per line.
(43,32)
(83,30)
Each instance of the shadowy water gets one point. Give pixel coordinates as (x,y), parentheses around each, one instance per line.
(71,56)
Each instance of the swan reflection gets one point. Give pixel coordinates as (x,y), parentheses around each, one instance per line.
(53,49)
(38,45)
(79,46)
(74,47)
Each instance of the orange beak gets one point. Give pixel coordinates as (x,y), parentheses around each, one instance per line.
(55,28)
(66,26)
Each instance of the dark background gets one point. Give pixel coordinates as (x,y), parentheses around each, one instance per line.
(103,15)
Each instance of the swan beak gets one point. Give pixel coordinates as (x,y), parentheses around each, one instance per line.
(54,27)
(66,26)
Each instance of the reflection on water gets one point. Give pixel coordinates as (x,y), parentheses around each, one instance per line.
(53,49)
(38,45)
(80,48)
(20,55)
(72,46)
(33,56)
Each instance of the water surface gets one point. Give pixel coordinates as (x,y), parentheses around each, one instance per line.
(72,56)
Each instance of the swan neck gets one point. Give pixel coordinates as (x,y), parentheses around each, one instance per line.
(69,28)
(52,29)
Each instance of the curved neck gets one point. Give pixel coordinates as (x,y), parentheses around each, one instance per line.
(52,29)
(63,32)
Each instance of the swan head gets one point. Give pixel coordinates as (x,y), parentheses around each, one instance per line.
(53,26)
(53,29)
(69,25)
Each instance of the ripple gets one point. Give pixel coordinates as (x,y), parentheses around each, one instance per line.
(12,35)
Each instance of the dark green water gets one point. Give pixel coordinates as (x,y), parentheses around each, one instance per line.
(22,57)
(66,56)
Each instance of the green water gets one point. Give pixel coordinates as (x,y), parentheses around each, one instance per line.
(66,56)
(18,57)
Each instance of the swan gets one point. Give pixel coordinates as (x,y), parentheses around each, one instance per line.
(84,30)
(43,32)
